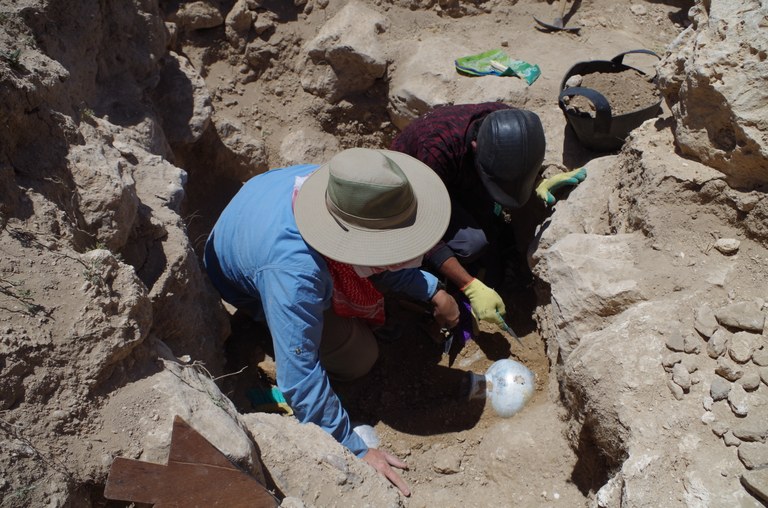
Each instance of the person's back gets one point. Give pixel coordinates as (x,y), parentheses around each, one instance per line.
(260,217)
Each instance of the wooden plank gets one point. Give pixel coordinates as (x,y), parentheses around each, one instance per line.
(188,445)
(197,475)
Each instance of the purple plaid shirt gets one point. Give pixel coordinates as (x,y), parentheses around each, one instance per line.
(441,140)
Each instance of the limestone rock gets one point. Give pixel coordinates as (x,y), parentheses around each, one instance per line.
(346,55)
(675,341)
(717,344)
(681,377)
(181,88)
(704,321)
(756,482)
(694,75)
(738,400)
(742,345)
(287,447)
(240,154)
(751,431)
(729,370)
(188,392)
(691,344)
(107,197)
(304,145)
(448,461)
(669,360)
(425,79)
(727,246)
(750,381)
(747,316)
(197,16)
(754,455)
(730,440)
(238,23)
(719,389)
(720,428)
(602,282)
(760,356)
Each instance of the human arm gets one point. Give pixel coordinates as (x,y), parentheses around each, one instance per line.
(294,302)
(423,286)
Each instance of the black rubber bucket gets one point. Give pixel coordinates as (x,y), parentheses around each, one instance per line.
(604,132)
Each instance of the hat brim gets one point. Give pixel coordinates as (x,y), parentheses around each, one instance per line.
(506,200)
(367,247)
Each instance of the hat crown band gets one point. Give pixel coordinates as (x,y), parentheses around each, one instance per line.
(373,194)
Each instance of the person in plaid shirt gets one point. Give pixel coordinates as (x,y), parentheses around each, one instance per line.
(489,156)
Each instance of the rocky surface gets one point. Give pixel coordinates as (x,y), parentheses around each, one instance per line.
(128,126)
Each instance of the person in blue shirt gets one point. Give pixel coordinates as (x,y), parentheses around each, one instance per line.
(311,250)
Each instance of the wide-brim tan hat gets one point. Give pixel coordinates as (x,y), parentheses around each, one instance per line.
(372,208)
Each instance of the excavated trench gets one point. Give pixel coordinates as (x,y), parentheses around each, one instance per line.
(412,396)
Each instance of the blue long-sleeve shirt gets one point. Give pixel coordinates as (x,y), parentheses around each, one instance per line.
(258,261)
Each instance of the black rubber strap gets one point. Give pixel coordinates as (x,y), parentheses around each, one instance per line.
(603,117)
(619,59)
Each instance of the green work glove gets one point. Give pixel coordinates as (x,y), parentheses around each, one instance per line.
(548,185)
(486,303)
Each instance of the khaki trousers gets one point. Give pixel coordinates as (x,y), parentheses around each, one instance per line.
(348,348)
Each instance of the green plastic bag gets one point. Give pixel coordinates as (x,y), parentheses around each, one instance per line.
(497,63)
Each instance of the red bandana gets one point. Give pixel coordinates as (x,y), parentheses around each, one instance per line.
(355,296)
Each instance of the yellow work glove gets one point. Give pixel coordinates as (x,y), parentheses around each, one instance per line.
(486,303)
(548,185)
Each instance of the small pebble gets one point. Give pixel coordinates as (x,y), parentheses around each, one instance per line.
(718,343)
(730,439)
(760,357)
(727,369)
(574,80)
(750,381)
(675,341)
(738,400)
(691,344)
(681,377)
(704,321)
(719,389)
(727,246)
(677,392)
(719,428)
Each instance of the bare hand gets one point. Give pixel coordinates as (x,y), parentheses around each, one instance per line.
(446,310)
(382,462)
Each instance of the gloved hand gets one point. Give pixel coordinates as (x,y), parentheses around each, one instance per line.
(548,185)
(486,303)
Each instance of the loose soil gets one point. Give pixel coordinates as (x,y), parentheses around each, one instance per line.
(626,91)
